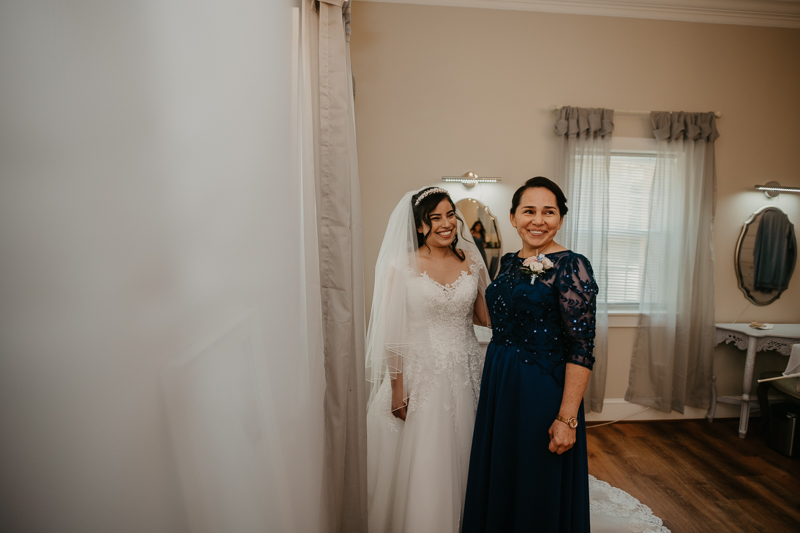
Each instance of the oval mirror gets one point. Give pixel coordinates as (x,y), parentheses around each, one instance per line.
(765,255)
(483,227)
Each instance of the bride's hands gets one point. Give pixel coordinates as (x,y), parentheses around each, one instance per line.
(399,405)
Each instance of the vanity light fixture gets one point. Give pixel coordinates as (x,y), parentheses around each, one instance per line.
(772,189)
(469,179)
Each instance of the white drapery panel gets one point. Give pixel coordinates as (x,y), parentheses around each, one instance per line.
(330,164)
(172,252)
(583,173)
(672,358)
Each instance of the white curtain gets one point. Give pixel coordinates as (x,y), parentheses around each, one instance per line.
(672,358)
(583,173)
(332,213)
(153,373)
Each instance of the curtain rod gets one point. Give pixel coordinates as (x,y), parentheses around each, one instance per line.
(555,108)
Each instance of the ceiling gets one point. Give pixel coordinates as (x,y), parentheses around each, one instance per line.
(775,13)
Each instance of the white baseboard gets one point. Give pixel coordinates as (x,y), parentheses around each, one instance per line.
(618,409)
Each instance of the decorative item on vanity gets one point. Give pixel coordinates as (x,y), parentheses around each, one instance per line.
(772,189)
(765,255)
(469,179)
(474,211)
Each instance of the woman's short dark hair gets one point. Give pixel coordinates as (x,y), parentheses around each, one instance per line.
(422,214)
(541,181)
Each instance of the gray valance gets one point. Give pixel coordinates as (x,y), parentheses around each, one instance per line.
(584,122)
(687,126)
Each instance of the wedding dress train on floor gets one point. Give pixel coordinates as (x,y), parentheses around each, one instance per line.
(613,510)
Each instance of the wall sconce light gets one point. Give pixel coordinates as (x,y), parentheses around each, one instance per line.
(469,179)
(772,189)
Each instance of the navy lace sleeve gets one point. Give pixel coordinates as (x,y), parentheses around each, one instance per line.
(577,295)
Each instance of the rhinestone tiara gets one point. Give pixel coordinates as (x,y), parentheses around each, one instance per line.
(429,192)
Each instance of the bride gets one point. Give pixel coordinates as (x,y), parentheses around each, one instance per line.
(425,365)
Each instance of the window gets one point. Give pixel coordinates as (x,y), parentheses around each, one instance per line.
(632,169)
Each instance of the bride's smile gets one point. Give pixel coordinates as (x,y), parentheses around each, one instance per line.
(441,231)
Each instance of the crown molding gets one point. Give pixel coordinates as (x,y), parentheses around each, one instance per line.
(772,13)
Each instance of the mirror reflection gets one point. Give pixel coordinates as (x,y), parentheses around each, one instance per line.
(765,255)
(483,227)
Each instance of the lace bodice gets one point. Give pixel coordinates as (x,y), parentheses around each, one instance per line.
(450,348)
(551,321)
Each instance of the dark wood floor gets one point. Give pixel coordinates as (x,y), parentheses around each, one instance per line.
(700,476)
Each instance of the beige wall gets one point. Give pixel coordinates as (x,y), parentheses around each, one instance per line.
(444,90)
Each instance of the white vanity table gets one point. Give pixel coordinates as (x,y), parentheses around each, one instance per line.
(780,338)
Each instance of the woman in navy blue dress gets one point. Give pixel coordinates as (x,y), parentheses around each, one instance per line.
(528,467)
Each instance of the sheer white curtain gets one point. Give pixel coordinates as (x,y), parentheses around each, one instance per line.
(332,214)
(672,358)
(583,173)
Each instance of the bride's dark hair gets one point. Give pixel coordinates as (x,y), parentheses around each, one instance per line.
(422,214)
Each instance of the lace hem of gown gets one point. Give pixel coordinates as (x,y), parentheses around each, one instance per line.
(612,509)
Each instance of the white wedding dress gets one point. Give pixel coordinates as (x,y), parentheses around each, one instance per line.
(417,469)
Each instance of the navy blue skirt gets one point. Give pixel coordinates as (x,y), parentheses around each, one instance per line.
(515,483)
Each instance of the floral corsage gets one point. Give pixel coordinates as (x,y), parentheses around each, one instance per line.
(536,266)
